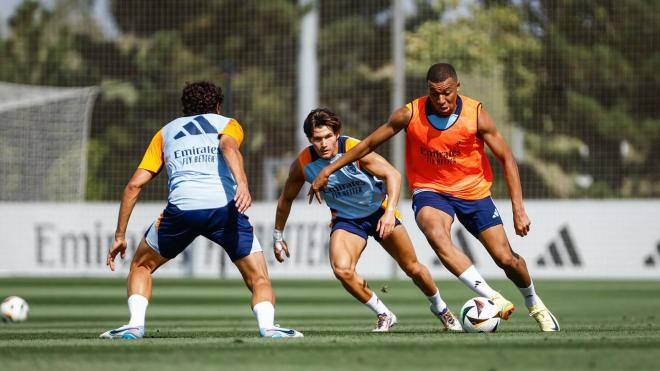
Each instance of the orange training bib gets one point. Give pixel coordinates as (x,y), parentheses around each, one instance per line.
(450,160)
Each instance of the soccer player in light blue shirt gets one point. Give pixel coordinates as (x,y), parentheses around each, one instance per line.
(361,207)
(208,195)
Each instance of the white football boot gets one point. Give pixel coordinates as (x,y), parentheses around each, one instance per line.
(505,307)
(546,320)
(279,333)
(384,322)
(449,321)
(125,332)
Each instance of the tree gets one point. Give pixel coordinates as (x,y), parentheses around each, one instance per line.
(598,83)
(142,74)
(39,49)
(577,78)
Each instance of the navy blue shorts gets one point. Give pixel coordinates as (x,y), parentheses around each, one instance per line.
(363,227)
(475,215)
(175,229)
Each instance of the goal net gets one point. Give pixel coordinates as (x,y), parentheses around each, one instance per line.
(43,140)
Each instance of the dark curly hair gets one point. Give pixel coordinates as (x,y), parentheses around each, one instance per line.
(321,117)
(201,97)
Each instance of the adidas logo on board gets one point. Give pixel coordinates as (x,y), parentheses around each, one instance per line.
(653,259)
(561,253)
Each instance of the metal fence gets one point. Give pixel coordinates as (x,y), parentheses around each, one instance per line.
(572,85)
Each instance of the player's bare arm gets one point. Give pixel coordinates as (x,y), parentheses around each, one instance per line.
(292,187)
(379,167)
(234,159)
(131,194)
(397,121)
(502,152)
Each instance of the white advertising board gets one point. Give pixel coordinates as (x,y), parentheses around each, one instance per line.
(568,239)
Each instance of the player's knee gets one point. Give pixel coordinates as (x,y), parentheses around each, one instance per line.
(413,270)
(143,264)
(262,280)
(506,261)
(146,258)
(257,280)
(343,273)
(438,237)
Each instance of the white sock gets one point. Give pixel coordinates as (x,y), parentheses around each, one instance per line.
(529,294)
(472,279)
(437,304)
(137,308)
(265,313)
(376,305)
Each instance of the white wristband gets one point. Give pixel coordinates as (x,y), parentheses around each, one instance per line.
(278,243)
(277,235)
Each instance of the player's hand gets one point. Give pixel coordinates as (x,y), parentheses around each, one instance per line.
(118,247)
(386,224)
(521,222)
(243,199)
(318,184)
(280,247)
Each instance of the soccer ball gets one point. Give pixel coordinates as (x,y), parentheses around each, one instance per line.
(14,309)
(479,315)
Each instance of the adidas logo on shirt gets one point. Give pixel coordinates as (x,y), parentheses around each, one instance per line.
(192,129)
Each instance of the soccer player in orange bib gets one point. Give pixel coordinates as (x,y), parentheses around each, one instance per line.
(361,206)
(449,174)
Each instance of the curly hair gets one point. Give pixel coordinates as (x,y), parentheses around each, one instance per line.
(201,97)
(321,117)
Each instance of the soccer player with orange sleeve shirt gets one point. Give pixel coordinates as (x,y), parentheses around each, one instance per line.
(208,195)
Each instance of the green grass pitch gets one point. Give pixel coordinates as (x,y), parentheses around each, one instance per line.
(208,325)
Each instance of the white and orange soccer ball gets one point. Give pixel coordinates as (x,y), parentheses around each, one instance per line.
(479,315)
(14,309)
